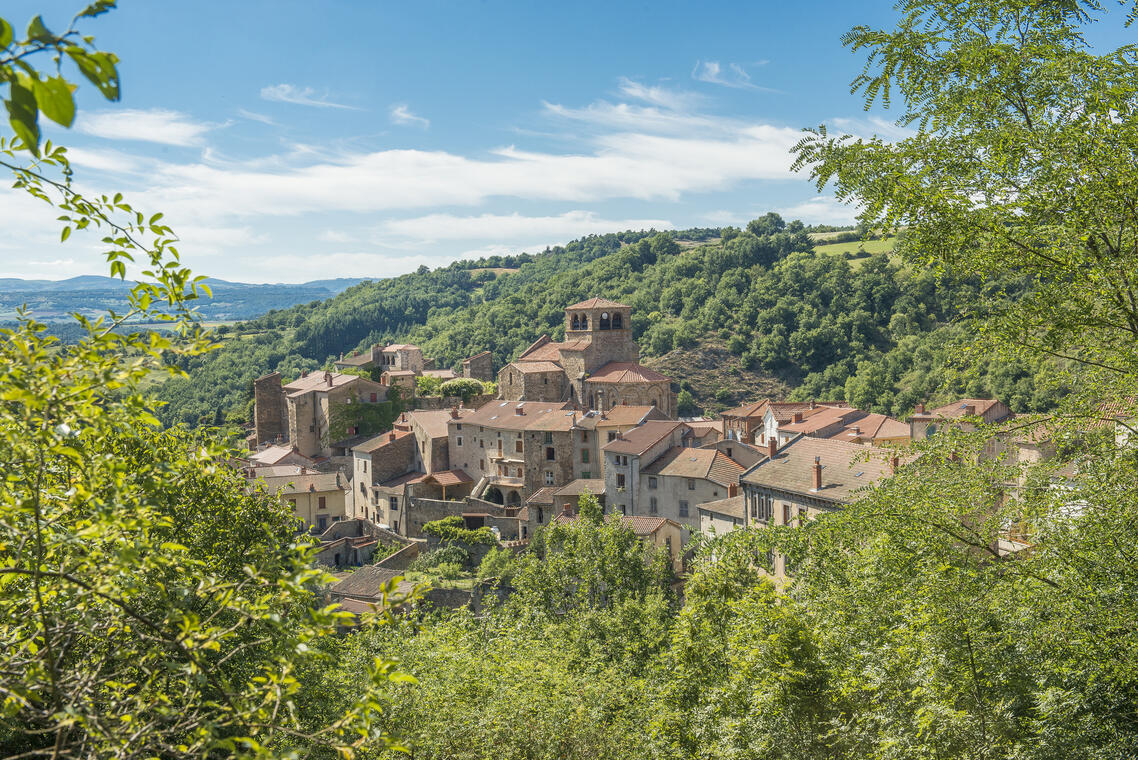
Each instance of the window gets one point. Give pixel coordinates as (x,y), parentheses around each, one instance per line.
(652,482)
(458,441)
(550,453)
(481,444)
(584,456)
(540,515)
(481,465)
(653,505)
(518,446)
(691,484)
(786,514)
(623,509)
(395,526)
(729,454)
(605,324)
(322,502)
(393,503)
(458,427)
(363,489)
(801,515)
(374,397)
(586,474)
(612,435)
(311,428)
(365,465)
(322,523)
(584,436)
(548,438)
(545,381)
(620,481)
(683,509)
(519,472)
(617,322)
(549,477)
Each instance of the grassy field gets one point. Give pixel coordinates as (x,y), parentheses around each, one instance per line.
(854,248)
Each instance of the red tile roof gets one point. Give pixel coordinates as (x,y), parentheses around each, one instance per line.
(598,303)
(449,478)
(640,439)
(381,440)
(626,372)
(708,464)
(642,525)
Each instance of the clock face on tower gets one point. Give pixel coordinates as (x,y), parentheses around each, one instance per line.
(604,315)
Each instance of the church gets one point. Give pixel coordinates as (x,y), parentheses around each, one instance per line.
(596,367)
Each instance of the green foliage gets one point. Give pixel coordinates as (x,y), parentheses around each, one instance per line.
(447,554)
(497,565)
(464,387)
(685,404)
(589,508)
(366,418)
(428,385)
(451,530)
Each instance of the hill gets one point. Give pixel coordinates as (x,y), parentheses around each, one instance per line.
(791,318)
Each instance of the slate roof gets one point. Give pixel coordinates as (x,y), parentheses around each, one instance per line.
(595,486)
(640,439)
(708,464)
(598,303)
(732,506)
(381,440)
(320,482)
(365,583)
(626,372)
(542,496)
(846,469)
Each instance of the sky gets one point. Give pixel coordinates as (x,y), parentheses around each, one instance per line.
(291,141)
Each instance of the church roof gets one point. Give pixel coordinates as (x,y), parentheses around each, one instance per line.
(598,303)
(626,372)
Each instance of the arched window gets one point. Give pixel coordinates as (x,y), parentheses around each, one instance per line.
(576,324)
(584,322)
(605,325)
(617,322)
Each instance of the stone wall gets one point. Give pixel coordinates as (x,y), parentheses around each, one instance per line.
(270,416)
(479,367)
(401,559)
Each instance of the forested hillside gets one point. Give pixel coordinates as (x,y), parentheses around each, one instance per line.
(868,330)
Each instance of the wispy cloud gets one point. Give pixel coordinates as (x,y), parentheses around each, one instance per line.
(731,75)
(254,116)
(156,125)
(821,209)
(401,114)
(301,96)
(675,100)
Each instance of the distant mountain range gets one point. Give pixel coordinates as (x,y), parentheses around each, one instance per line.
(92,295)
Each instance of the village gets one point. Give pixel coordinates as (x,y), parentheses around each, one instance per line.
(572,418)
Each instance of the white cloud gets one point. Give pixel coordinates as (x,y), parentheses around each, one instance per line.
(872,126)
(254,116)
(733,75)
(157,125)
(401,114)
(509,227)
(301,96)
(821,209)
(659,96)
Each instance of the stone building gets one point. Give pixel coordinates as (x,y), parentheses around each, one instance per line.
(595,367)
(845,424)
(479,367)
(270,410)
(806,477)
(513,449)
(317,498)
(758,421)
(682,478)
(596,428)
(312,402)
(629,453)
(964,414)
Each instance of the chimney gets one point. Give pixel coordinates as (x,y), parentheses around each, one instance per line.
(817,473)
(798,415)
(772,446)
(812,403)
(304,373)
(391,436)
(567,508)
(341,356)
(328,377)
(454,412)
(732,490)
(921,408)
(894,461)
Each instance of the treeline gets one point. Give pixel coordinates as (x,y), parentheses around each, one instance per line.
(879,335)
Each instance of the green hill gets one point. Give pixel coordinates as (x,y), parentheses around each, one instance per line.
(729,314)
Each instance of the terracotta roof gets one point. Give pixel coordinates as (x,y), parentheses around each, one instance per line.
(538,366)
(274,454)
(822,417)
(542,497)
(595,486)
(320,482)
(435,421)
(956,408)
(716,425)
(575,345)
(598,303)
(619,415)
(408,477)
(277,470)
(846,468)
(640,439)
(318,381)
(873,426)
(381,440)
(399,373)
(747,410)
(449,478)
(478,355)
(708,464)
(626,372)
(561,420)
(732,506)
(503,415)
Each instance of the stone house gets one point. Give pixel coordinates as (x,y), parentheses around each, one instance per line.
(744,453)
(845,424)
(280,455)
(596,428)
(313,400)
(808,477)
(759,420)
(681,479)
(630,452)
(722,516)
(595,367)
(963,414)
(316,498)
(479,367)
(706,431)
(514,448)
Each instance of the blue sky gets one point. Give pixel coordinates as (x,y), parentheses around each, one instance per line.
(290,141)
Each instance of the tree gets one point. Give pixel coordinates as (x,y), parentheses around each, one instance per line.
(1022,165)
(152,605)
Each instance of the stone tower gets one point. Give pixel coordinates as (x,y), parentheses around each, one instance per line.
(270,415)
(597,332)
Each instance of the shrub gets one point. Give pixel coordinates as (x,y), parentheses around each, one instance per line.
(444,555)
(451,530)
(465,387)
